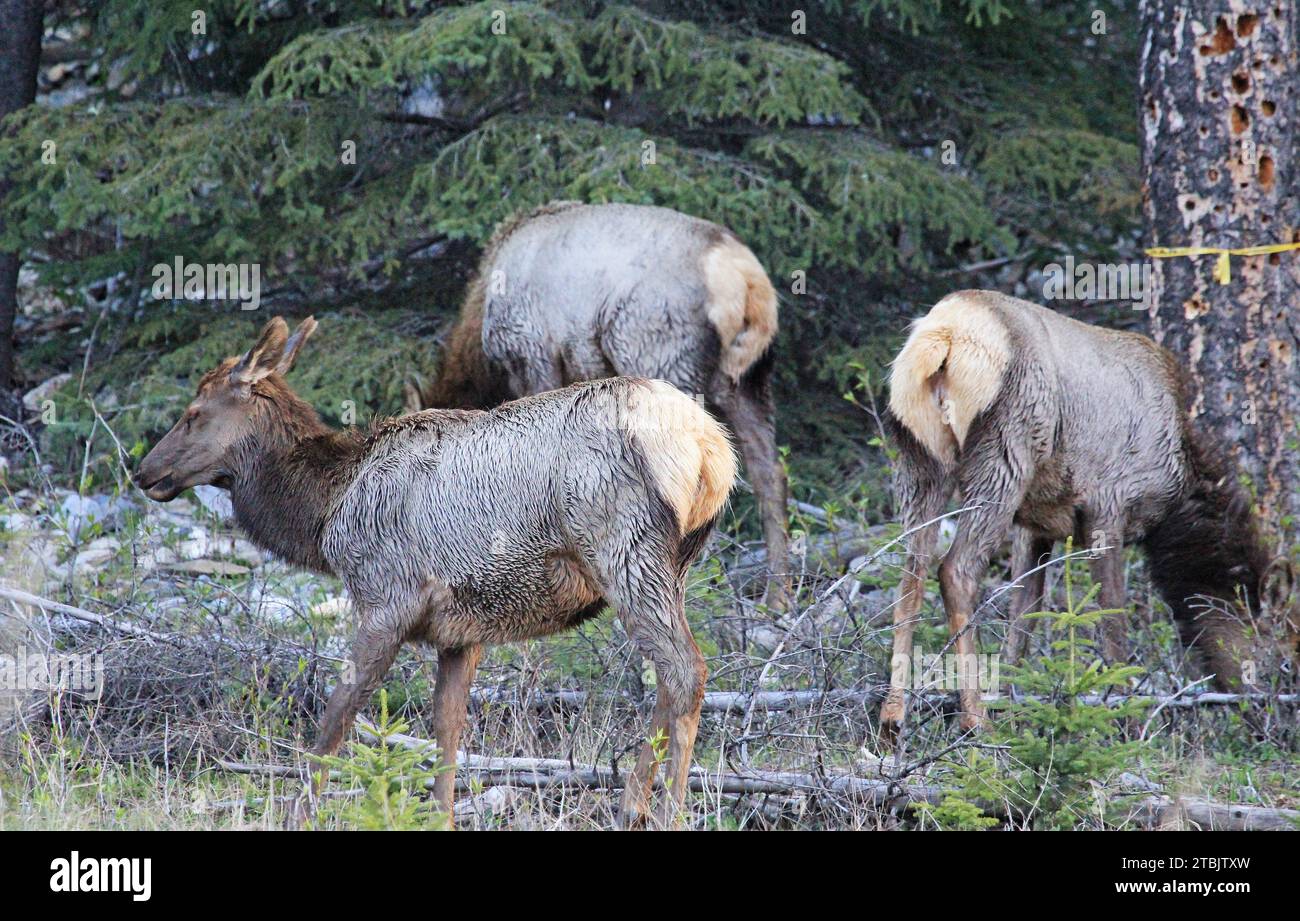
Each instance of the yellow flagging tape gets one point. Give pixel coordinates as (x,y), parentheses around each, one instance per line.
(1222,269)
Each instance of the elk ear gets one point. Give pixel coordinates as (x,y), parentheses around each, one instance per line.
(262,358)
(300,335)
(1277,589)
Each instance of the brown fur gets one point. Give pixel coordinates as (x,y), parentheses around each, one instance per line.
(1207,559)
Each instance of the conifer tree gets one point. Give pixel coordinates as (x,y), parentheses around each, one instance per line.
(865,149)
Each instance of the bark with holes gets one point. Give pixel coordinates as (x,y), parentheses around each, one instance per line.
(1219,97)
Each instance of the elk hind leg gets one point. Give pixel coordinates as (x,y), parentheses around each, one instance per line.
(654,615)
(748,411)
(456,669)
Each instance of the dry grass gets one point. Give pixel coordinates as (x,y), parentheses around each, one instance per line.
(248,660)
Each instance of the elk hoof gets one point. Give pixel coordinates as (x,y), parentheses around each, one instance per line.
(891,716)
(633,820)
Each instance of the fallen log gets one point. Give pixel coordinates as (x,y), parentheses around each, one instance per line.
(57,607)
(829,552)
(1155,811)
(555,772)
(740,702)
(1167,813)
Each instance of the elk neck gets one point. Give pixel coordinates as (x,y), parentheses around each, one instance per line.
(287,477)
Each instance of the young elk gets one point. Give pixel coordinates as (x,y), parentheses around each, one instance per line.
(573,292)
(1063,429)
(457,528)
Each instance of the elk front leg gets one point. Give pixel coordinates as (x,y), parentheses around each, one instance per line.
(373,653)
(1028,554)
(456,669)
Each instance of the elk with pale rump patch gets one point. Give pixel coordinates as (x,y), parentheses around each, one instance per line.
(1066,429)
(572,292)
(459,528)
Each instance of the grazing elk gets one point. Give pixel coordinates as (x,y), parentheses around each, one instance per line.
(572,292)
(458,528)
(1063,429)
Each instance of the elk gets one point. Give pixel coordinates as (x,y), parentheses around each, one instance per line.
(455,528)
(1064,429)
(573,292)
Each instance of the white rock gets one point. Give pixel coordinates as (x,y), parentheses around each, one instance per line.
(81,512)
(193,548)
(33,398)
(157,556)
(12,520)
(96,554)
(248,552)
(216,501)
(333,606)
(276,607)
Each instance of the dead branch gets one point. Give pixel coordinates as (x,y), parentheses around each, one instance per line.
(739,702)
(1156,811)
(117,626)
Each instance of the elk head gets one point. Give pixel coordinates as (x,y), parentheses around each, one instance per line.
(199,448)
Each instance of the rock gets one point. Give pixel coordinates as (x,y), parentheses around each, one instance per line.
(333,606)
(276,607)
(117,73)
(12,520)
(98,554)
(34,398)
(157,557)
(27,550)
(246,551)
(182,508)
(82,512)
(194,548)
(216,501)
(208,568)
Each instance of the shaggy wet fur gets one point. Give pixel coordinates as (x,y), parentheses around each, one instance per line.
(572,292)
(1081,431)
(460,528)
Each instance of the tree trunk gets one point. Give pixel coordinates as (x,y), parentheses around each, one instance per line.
(1219,96)
(20,55)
